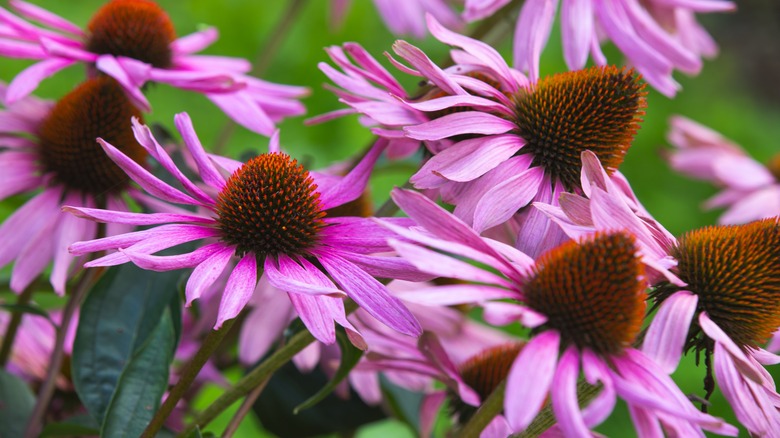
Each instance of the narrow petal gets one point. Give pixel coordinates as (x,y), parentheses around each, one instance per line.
(28,80)
(668,331)
(144,178)
(264,324)
(452,295)
(741,361)
(466,122)
(501,202)
(238,290)
(170,263)
(354,183)
(205,274)
(299,276)
(577,31)
(529,379)
(531,34)
(315,314)
(564,395)
(126,217)
(369,294)
(206,169)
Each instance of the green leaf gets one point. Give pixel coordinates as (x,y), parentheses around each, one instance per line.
(117,318)
(27,308)
(350,355)
(195,433)
(16,405)
(142,384)
(83,425)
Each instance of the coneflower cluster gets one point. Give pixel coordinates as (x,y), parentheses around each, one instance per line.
(522,278)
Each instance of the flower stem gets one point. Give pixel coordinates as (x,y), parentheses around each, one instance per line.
(257,376)
(546,419)
(246,406)
(13,325)
(85,283)
(266,54)
(188,376)
(491,407)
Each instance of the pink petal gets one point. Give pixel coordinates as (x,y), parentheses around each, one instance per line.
(206,169)
(145,179)
(205,274)
(264,324)
(25,82)
(531,34)
(668,331)
(564,395)
(244,111)
(741,361)
(426,67)
(529,379)
(43,16)
(577,31)
(195,42)
(354,183)
(315,314)
(501,202)
(466,160)
(467,122)
(299,276)
(369,294)
(451,295)
(170,263)
(238,290)
(125,217)
(484,52)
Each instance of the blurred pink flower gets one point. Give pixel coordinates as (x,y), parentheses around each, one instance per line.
(656,36)
(33,345)
(53,147)
(728,308)
(751,190)
(134,42)
(269,214)
(569,297)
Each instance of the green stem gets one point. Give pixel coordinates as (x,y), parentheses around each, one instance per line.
(13,326)
(246,406)
(492,406)
(389,209)
(263,61)
(546,419)
(188,376)
(85,283)
(258,375)
(249,382)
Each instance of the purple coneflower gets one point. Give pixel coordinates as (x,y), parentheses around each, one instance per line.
(585,303)
(52,147)
(751,190)
(728,309)
(656,36)
(134,42)
(516,142)
(270,216)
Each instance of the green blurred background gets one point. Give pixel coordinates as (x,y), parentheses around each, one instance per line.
(737,94)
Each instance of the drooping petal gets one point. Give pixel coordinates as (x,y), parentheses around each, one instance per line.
(529,379)
(564,395)
(238,290)
(668,331)
(466,122)
(369,294)
(299,276)
(205,274)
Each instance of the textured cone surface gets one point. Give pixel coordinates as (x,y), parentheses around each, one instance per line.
(735,271)
(68,137)
(270,206)
(597,109)
(591,292)
(137,29)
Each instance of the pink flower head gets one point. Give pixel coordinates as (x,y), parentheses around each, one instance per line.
(585,303)
(610,204)
(469,378)
(751,190)
(514,142)
(134,42)
(370,90)
(729,307)
(656,36)
(268,214)
(33,345)
(405,17)
(52,147)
